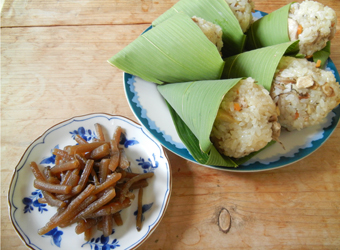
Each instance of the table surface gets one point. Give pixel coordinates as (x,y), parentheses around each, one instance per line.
(53,67)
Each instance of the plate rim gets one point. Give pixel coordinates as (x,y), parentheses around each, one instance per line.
(12,208)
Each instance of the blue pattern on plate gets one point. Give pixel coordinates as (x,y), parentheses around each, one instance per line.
(51,159)
(32,201)
(148,166)
(86,134)
(145,208)
(127,143)
(55,234)
(102,243)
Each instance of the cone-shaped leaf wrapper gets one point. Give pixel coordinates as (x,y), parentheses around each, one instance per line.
(260,64)
(269,30)
(174,51)
(217,12)
(193,107)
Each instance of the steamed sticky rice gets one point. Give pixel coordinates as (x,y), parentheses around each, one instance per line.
(303,93)
(212,31)
(246,120)
(313,24)
(242,9)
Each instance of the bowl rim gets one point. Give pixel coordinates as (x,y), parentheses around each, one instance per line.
(162,148)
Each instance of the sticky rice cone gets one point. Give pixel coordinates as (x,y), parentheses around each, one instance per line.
(260,64)
(217,12)
(194,107)
(269,30)
(272,29)
(174,51)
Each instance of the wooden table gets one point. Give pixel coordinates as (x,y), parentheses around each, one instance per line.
(53,67)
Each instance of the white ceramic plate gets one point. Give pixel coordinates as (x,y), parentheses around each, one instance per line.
(145,154)
(151,110)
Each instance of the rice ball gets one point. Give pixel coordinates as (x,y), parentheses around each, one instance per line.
(303,93)
(246,120)
(242,9)
(313,24)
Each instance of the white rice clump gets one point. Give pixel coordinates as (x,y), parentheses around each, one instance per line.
(212,31)
(242,9)
(237,133)
(304,94)
(318,25)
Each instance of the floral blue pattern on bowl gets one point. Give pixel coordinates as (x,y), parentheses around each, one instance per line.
(145,155)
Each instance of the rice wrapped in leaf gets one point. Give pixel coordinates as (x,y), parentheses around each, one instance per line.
(176,50)
(220,13)
(205,116)
(246,120)
(303,93)
(259,64)
(310,22)
(242,9)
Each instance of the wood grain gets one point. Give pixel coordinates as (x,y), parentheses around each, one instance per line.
(53,67)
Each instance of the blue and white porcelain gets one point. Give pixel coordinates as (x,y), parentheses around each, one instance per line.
(150,109)
(146,155)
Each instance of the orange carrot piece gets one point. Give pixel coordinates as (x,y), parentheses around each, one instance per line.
(318,63)
(296,115)
(237,106)
(299,30)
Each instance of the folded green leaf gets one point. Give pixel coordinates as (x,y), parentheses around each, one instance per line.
(193,107)
(269,30)
(217,12)
(323,55)
(174,51)
(260,64)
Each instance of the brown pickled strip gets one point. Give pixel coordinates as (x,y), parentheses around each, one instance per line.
(82,160)
(139,210)
(111,208)
(69,165)
(94,177)
(42,200)
(74,178)
(65,177)
(53,188)
(98,203)
(128,184)
(110,181)
(86,173)
(83,225)
(71,207)
(80,140)
(70,219)
(139,184)
(126,174)
(99,131)
(84,148)
(75,190)
(100,152)
(88,234)
(58,160)
(114,161)
(107,225)
(52,200)
(114,142)
(103,169)
(118,219)
(36,171)
(124,163)
(63,154)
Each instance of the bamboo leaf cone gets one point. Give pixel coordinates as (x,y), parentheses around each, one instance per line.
(193,107)
(269,30)
(217,12)
(260,64)
(174,51)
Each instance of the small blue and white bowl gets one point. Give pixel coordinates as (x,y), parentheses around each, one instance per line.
(145,154)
